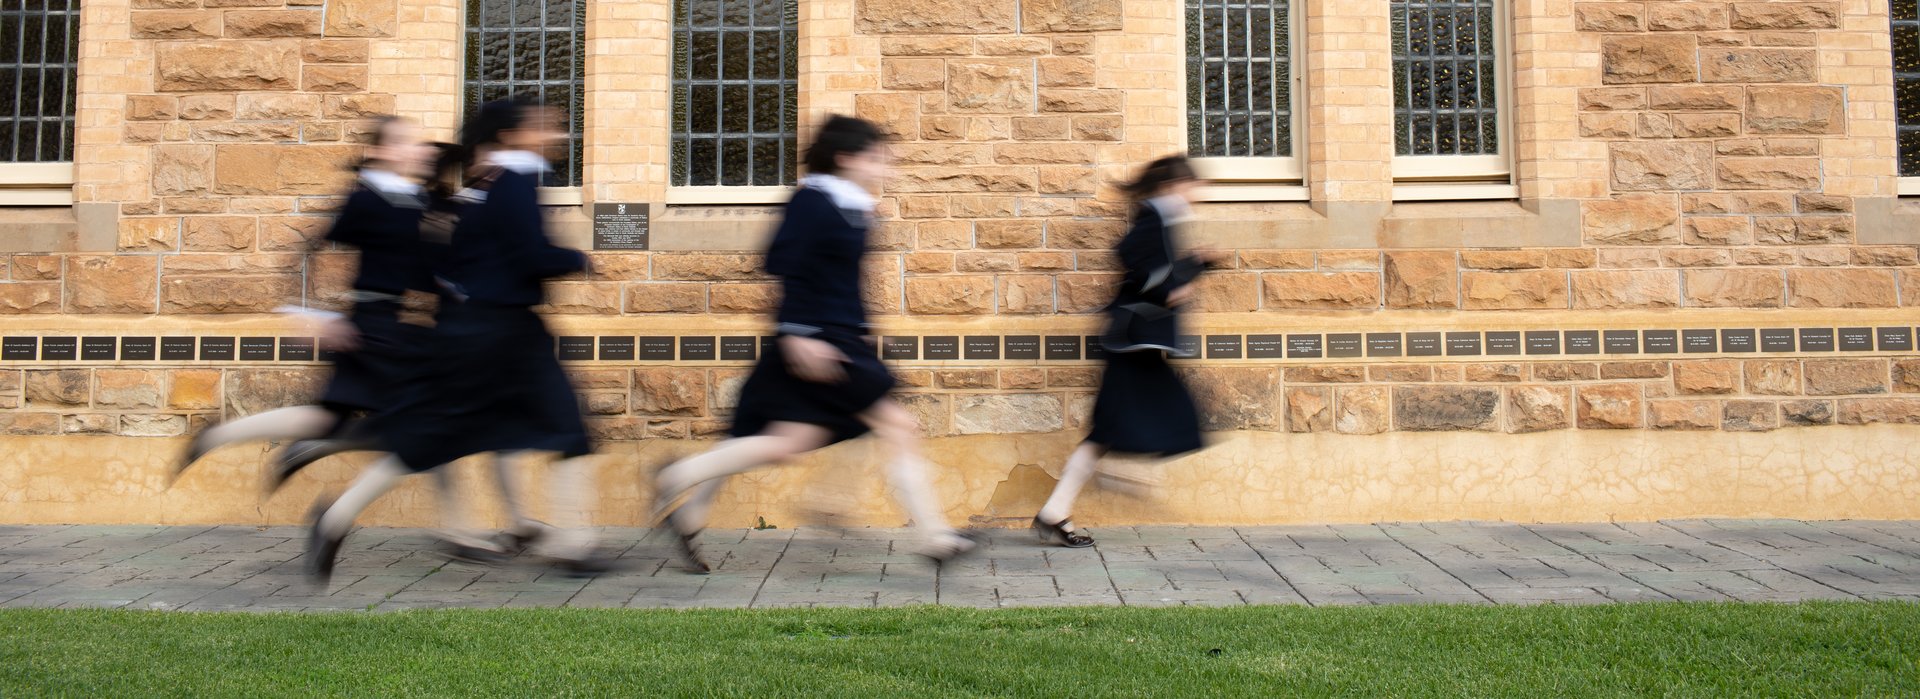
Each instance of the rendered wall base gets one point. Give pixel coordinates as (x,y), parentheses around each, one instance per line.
(1842,472)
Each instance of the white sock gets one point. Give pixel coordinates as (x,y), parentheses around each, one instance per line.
(298,422)
(1074,476)
(570,496)
(374,482)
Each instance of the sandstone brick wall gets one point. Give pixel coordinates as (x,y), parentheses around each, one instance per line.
(1728,158)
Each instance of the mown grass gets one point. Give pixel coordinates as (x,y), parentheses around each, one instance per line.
(1703,650)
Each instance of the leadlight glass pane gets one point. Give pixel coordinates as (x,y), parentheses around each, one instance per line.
(38,59)
(1906,82)
(531,48)
(1239,70)
(735,117)
(1444,81)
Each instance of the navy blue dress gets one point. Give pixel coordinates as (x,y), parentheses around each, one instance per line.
(1143,406)
(495,383)
(816,254)
(385,227)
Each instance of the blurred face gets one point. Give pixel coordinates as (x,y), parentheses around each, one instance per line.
(540,134)
(867,168)
(401,150)
(1188,190)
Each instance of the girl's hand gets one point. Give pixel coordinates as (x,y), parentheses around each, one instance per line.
(813,360)
(1180,296)
(1210,256)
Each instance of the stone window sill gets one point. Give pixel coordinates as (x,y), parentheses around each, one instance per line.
(1454,191)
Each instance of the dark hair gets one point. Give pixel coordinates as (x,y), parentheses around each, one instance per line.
(1160,173)
(841,135)
(376,138)
(448,161)
(493,119)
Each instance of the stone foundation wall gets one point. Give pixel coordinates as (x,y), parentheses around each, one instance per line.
(1681,166)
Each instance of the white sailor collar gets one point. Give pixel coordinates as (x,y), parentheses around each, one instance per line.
(386,182)
(520,161)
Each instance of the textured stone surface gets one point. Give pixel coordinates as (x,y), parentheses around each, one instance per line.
(1608,406)
(1796,110)
(58,387)
(1236,398)
(1735,288)
(228,65)
(1631,220)
(1309,409)
(1421,279)
(1538,408)
(990,86)
(1363,410)
(1605,289)
(1842,288)
(1007,413)
(669,391)
(1750,416)
(914,17)
(1513,290)
(1662,166)
(1683,414)
(1428,408)
(1321,289)
(1839,377)
(1706,377)
(1069,15)
(111,284)
(1772,377)
(361,18)
(1648,59)
(1768,65)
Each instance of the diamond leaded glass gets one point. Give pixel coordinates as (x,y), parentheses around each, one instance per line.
(1445,83)
(735,92)
(534,48)
(1239,78)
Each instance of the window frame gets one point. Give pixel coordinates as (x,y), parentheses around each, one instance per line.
(735,195)
(1257,178)
(1905,185)
(1433,177)
(571,195)
(36,184)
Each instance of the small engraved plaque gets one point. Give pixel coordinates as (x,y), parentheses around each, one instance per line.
(1023,346)
(767,342)
(1816,339)
(1699,341)
(139,349)
(620,226)
(1223,346)
(1266,346)
(576,348)
(1621,341)
(1543,342)
(1095,348)
(617,348)
(900,349)
(59,348)
(1189,345)
(176,349)
(296,349)
(216,349)
(1505,342)
(1308,346)
(256,349)
(1896,339)
(1856,339)
(19,349)
(1383,344)
(1776,340)
(1583,342)
(1660,341)
(1739,340)
(99,349)
(983,346)
(656,349)
(1423,344)
(739,348)
(941,347)
(1063,348)
(1463,344)
(697,348)
(1345,345)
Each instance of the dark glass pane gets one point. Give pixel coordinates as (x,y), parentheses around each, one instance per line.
(767,56)
(1236,87)
(766,109)
(677,168)
(1237,28)
(703,13)
(735,106)
(473,55)
(736,54)
(1423,134)
(8,140)
(1446,140)
(1490,134)
(1909,153)
(32,42)
(526,14)
(705,55)
(9,88)
(1906,48)
(734,162)
(1214,33)
(28,133)
(704,163)
(30,92)
(559,13)
(559,59)
(1217,138)
(1908,10)
(1262,137)
(496,50)
(1260,82)
(1906,97)
(1470,135)
(704,116)
(769,13)
(680,107)
(492,92)
(766,162)
(57,41)
(1237,129)
(1262,33)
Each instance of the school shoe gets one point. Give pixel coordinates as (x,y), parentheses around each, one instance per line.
(685,544)
(1060,533)
(304,453)
(197,449)
(322,550)
(469,553)
(586,566)
(521,537)
(952,546)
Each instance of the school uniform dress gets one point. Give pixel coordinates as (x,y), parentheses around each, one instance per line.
(381,218)
(1143,406)
(494,383)
(816,253)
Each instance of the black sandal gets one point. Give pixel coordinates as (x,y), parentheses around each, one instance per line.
(688,550)
(322,550)
(1060,533)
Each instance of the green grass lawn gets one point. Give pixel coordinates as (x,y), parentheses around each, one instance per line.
(1705,650)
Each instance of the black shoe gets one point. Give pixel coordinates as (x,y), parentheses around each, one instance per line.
(970,542)
(516,541)
(302,454)
(586,566)
(196,450)
(688,550)
(322,550)
(1062,533)
(467,553)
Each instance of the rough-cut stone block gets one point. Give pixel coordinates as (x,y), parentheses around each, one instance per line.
(669,392)
(666,297)
(1750,416)
(1807,412)
(248,169)
(1773,377)
(1866,411)
(149,234)
(111,284)
(1706,377)
(913,74)
(1099,128)
(1706,125)
(1084,235)
(1735,288)
(1796,110)
(1608,407)
(1062,100)
(1648,59)
(1631,220)
(971,179)
(211,107)
(1769,65)
(1014,413)
(754,298)
(1084,293)
(1626,289)
(926,46)
(252,24)
(917,17)
(62,388)
(361,106)
(1513,290)
(1842,288)
(1840,377)
(253,391)
(1769,173)
(1565,371)
(1365,410)
(1421,279)
(126,388)
(218,233)
(1662,166)
(334,51)
(1686,16)
(1785,15)
(1331,290)
(332,78)
(1236,398)
(1683,414)
(1495,373)
(1069,15)
(1720,230)
(1026,293)
(222,294)
(361,18)
(1309,409)
(897,114)
(182,169)
(1613,98)
(20,298)
(1435,408)
(1609,16)
(194,389)
(1607,125)
(1009,234)
(1066,71)
(176,24)
(278,106)
(955,295)
(223,66)
(1704,98)
(1538,408)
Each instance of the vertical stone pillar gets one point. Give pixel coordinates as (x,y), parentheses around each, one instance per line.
(1550,62)
(420,66)
(1349,107)
(629,95)
(112,66)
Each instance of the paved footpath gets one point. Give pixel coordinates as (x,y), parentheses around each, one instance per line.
(250,568)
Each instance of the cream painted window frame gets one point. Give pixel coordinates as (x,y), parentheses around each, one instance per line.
(1454,177)
(722,195)
(36,184)
(1909,187)
(1258,179)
